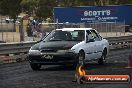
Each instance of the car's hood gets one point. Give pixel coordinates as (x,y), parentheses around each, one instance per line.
(57,45)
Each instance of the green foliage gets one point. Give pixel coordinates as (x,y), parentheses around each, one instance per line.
(43,8)
(72,3)
(10,7)
(40,8)
(29,5)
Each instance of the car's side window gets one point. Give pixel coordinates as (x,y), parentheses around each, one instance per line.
(89,35)
(95,35)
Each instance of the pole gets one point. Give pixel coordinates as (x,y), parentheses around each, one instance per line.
(1,28)
(21,31)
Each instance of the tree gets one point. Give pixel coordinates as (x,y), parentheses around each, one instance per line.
(10,7)
(39,8)
(72,3)
(29,6)
(121,2)
(44,8)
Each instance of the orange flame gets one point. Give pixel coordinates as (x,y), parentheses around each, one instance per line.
(80,70)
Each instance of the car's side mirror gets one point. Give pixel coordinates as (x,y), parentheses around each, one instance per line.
(90,40)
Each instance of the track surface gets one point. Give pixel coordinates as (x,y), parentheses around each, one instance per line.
(20,75)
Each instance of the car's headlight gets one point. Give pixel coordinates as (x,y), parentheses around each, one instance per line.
(34,52)
(65,51)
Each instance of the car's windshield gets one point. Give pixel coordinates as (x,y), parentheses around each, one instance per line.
(59,35)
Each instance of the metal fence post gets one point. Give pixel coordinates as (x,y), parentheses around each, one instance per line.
(7,33)
(1,28)
(21,31)
(13,31)
(124,27)
(57,23)
(116,27)
(106,30)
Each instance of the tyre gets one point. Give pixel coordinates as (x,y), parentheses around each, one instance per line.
(81,57)
(35,66)
(102,60)
(75,63)
(81,80)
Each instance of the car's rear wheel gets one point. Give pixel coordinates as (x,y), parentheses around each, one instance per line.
(35,66)
(102,60)
(81,57)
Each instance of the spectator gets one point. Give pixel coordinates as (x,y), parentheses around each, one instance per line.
(29,32)
(43,34)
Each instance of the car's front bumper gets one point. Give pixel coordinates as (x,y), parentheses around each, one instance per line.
(53,58)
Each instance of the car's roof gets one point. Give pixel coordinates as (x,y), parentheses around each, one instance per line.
(72,29)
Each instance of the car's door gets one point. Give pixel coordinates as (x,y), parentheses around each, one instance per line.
(98,48)
(89,46)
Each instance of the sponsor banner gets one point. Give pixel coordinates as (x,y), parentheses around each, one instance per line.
(81,77)
(107,78)
(91,14)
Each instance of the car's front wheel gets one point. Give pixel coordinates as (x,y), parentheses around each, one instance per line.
(102,60)
(35,66)
(81,57)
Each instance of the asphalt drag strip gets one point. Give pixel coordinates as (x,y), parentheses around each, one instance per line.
(20,75)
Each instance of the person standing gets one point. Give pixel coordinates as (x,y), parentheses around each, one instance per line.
(29,32)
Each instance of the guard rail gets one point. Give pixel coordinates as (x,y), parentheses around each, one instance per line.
(23,47)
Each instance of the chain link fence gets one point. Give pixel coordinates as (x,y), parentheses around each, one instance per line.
(10,32)
(108,29)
